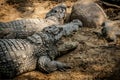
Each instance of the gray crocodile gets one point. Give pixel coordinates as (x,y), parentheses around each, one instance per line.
(26,27)
(38,51)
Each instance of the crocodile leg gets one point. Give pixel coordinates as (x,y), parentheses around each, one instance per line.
(45,64)
(66,47)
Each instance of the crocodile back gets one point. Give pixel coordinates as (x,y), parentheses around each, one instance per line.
(45,43)
(16,57)
(23,28)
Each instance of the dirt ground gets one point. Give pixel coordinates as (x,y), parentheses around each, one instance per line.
(93,59)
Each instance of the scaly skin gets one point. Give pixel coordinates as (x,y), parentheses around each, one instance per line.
(27,27)
(38,51)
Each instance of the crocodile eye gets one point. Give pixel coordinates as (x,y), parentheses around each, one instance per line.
(55,11)
(50,27)
(63,10)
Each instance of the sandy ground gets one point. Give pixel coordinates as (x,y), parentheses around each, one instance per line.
(34,9)
(93,59)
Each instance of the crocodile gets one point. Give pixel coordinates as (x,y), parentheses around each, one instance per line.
(111,30)
(36,52)
(89,12)
(27,27)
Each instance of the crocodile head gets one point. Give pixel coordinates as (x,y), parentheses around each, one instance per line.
(53,32)
(57,13)
(57,31)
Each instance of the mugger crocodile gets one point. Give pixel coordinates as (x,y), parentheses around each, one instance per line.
(27,27)
(38,51)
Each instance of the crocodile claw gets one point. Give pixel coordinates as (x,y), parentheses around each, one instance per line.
(63,66)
